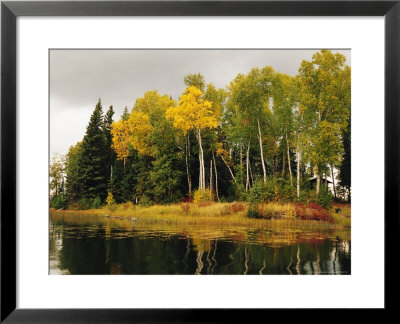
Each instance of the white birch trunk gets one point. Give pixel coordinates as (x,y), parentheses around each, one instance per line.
(333,182)
(261,151)
(251,175)
(229,168)
(216,176)
(211,179)
(202,179)
(248,167)
(288,157)
(298,170)
(187,166)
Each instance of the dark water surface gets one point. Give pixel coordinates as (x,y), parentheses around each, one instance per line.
(103,246)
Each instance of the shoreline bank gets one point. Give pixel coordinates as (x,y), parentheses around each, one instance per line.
(209,214)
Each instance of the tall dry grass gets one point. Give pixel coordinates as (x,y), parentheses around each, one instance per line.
(207,215)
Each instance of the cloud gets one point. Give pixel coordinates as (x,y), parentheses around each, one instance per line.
(79,77)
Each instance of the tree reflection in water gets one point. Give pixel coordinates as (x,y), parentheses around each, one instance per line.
(103,247)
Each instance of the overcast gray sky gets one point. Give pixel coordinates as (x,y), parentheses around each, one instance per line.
(79,77)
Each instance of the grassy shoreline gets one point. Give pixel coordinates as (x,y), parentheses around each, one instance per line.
(217,214)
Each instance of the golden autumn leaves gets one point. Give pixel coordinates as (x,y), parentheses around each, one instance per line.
(191,113)
(194,113)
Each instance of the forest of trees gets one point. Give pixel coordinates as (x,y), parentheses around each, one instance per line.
(263,137)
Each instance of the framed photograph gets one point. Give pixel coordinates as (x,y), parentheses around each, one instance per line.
(164,158)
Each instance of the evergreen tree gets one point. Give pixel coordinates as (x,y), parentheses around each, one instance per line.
(125,115)
(195,80)
(73,173)
(93,173)
(110,154)
(266,125)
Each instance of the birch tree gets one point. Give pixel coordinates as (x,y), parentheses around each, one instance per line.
(251,95)
(325,102)
(194,113)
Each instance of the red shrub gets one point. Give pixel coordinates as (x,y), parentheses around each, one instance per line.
(204,203)
(312,211)
(127,205)
(237,207)
(186,208)
(187,200)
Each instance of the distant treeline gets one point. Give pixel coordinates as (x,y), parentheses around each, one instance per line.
(262,138)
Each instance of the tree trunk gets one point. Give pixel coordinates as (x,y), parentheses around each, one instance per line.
(229,168)
(318,182)
(216,176)
(248,167)
(187,165)
(199,262)
(241,161)
(211,179)
(251,175)
(240,155)
(333,182)
(246,261)
(261,151)
(298,260)
(202,178)
(288,157)
(298,170)
(283,166)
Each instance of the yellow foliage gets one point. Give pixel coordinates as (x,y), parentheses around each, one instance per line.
(120,139)
(140,129)
(136,131)
(223,153)
(153,104)
(202,196)
(110,199)
(192,112)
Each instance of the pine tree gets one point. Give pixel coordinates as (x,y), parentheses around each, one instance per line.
(73,173)
(93,174)
(110,154)
(125,115)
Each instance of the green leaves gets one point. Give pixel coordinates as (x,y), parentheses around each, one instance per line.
(265,124)
(325,106)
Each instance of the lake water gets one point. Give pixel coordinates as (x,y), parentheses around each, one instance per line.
(97,245)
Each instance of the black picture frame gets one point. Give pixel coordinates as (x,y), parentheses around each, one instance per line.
(10,10)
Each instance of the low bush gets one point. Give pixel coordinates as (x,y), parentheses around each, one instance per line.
(253,211)
(187,200)
(128,205)
(200,196)
(74,206)
(233,208)
(325,198)
(204,203)
(146,201)
(186,208)
(96,203)
(85,203)
(312,211)
(59,202)
(257,193)
(237,207)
